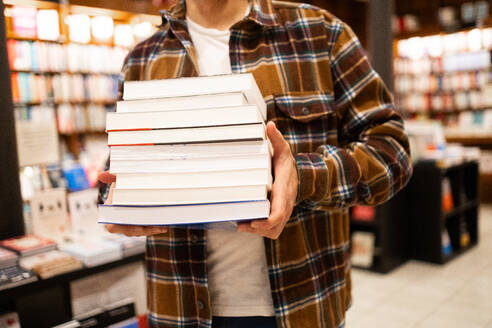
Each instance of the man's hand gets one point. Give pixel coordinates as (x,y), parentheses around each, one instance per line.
(284,189)
(127,230)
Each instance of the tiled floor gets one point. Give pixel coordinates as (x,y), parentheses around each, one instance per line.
(422,295)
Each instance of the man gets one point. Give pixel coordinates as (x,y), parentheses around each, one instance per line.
(337,142)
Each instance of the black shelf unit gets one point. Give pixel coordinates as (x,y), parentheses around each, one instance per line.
(47,302)
(429,221)
(390,227)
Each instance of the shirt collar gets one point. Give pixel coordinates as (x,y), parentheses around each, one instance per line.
(261,13)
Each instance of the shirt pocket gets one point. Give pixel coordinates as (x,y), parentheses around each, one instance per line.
(305,106)
(306,119)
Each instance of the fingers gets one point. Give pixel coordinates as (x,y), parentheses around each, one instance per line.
(277,139)
(109,200)
(135,231)
(106,177)
(273,233)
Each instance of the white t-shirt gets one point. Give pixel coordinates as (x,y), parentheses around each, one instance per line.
(236,262)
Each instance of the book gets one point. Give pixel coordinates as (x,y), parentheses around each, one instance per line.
(188,135)
(93,251)
(184,214)
(193,164)
(183,103)
(28,244)
(447,248)
(69,324)
(129,245)
(363,213)
(362,248)
(9,320)
(119,312)
(15,276)
(447,195)
(176,151)
(246,114)
(50,263)
(195,179)
(172,196)
(193,86)
(24,21)
(83,213)
(7,258)
(49,216)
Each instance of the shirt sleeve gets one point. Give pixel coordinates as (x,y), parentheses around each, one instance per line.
(372,160)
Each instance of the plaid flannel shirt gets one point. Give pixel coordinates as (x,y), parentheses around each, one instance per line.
(348,141)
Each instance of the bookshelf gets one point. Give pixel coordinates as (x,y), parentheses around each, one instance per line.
(35,302)
(389,224)
(64,70)
(431,224)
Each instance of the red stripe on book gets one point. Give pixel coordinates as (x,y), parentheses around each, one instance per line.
(142,144)
(123,130)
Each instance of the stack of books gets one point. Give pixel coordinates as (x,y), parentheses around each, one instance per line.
(93,251)
(7,258)
(189,151)
(28,245)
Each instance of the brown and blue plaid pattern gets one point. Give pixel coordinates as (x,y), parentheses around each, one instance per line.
(348,141)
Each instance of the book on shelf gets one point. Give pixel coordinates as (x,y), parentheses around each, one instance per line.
(240,132)
(129,245)
(28,244)
(49,216)
(9,320)
(48,26)
(447,248)
(121,314)
(447,195)
(15,276)
(363,213)
(184,214)
(24,21)
(464,233)
(83,213)
(194,86)
(93,251)
(173,196)
(362,248)
(69,324)
(50,263)
(186,118)
(7,258)
(183,103)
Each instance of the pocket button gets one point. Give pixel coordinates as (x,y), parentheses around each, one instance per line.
(305,110)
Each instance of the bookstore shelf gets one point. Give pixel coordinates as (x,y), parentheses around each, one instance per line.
(12,293)
(438,236)
(389,227)
(48,302)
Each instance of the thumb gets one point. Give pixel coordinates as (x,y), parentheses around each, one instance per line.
(276,138)
(106,177)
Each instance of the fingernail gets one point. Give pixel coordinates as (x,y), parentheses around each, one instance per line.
(255,224)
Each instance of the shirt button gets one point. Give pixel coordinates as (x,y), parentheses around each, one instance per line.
(305,110)
(201,306)
(194,239)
